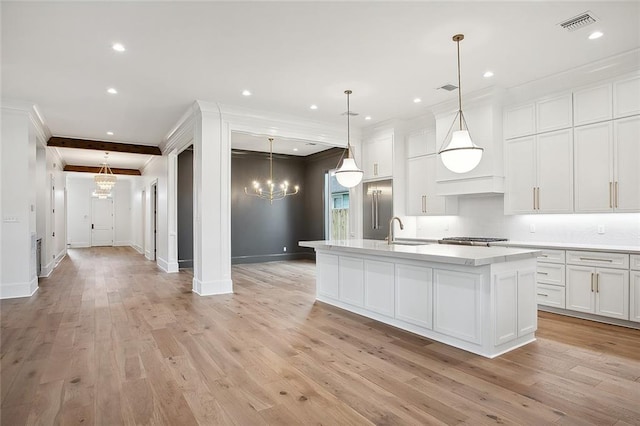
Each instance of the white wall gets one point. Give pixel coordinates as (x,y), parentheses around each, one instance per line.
(155,172)
(484,216)
(79,195)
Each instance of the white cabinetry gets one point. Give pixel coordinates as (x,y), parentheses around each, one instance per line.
(422,197)
(554,113)
(328,275)
(606,158)
(539,172)
(515,315)
(596,289)
(379,287)
(351,280)
(519,121)
(592,104)
(378,156)
(626,97)
(634,289)
(421,142)
(414,295)
(550,278)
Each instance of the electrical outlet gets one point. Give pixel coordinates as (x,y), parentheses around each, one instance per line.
(284,248)
(600,229)
(532,228)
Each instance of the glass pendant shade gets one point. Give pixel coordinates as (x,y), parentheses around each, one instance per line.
(349,175)
(461,155)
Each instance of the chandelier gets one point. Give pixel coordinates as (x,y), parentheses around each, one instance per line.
(461,155)
(271,190)
(348,174)
(102,193)
(105,179)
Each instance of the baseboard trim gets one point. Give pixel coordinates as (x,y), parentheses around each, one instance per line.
(121,243)
(211,288)
(272,258)
(79,245)
(137,248)
(166,266)
(590,317)
(17,290)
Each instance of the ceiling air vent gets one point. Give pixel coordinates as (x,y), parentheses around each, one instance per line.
(579,21)
(448,87)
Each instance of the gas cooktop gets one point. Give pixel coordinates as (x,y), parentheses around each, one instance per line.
(471,241)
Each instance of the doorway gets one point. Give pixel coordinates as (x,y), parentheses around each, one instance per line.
(154,220)
(185,208)
(336,208)
(101,222)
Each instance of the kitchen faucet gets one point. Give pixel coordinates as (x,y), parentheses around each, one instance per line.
(390,237)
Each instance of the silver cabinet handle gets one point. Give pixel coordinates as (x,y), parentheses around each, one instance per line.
(616,194)
(597,283)
(592,274)
(543,255)
(543,294)
(375,169)
(538,197)
(543,273)
(595,259)
(610,195)
(534,197)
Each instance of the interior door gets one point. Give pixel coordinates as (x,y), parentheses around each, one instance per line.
(101,222)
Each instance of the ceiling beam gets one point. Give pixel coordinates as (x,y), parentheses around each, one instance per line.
(103,146)
(96,170)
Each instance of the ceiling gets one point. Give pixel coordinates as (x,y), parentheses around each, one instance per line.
(290,55)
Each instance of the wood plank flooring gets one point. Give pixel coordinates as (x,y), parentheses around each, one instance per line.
(109,339)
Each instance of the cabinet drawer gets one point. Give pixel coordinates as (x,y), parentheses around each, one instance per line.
(635,262)
(550,295)
(550,273)
(551,256)
(602,259)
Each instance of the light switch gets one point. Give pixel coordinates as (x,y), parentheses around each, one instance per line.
(600,229)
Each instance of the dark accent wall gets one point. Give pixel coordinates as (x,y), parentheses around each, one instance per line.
(259,230)
(185,208)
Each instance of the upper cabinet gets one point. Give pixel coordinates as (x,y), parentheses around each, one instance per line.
(422,197)
(539,172)
(592,104)
(626,97)
(377,154)
(554,113)
(421,142)
(519,121)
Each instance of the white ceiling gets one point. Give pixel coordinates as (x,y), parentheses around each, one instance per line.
(289,54)
(248,142)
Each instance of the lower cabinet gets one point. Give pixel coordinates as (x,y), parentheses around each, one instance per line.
(328,275)
(379,287)
(600,291)
(515,315)
(550,295)
(634,305)
(351,281)
(414,295)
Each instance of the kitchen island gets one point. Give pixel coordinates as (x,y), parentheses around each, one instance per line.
(480,299)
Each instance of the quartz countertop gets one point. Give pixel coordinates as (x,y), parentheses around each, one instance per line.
(430,252)
(570,246)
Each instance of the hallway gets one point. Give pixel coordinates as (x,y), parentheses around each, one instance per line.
(110,339)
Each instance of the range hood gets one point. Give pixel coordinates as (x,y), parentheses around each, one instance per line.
(483,113)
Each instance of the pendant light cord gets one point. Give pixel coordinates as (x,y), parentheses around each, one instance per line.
(457,38)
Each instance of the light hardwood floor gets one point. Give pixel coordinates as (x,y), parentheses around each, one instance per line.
(109,339)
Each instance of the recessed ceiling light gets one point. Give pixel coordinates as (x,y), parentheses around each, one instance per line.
(314,107)
(110,133)
(118,47)
(112,91)
(488,74)
(295,149)
(368,117)
(594,35)
(246,93)
(417,100)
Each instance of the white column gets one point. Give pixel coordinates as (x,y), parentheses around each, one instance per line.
(18,267)
(172,212)
(212,224)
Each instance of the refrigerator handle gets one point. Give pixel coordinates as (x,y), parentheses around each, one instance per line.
(377,210)
(373,210)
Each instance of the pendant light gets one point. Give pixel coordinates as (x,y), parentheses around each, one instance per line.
(272,190)
(461,155)
(105,179)
(348,174)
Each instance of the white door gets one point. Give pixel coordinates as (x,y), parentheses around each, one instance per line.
(101,222)
(593,165)
(612,289)
(581,289)
(521,175)
(627,169)
(555,172)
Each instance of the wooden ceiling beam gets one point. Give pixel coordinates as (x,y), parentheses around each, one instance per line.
(96,170)
(103,146)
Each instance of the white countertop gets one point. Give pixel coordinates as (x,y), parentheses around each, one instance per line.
(442,253)
(570,246)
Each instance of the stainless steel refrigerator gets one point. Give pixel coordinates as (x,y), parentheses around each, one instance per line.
(377,209)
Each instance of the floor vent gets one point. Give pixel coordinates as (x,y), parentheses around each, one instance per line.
(578,22)
(448,87)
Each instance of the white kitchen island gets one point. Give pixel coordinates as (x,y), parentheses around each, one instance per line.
(480,299)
